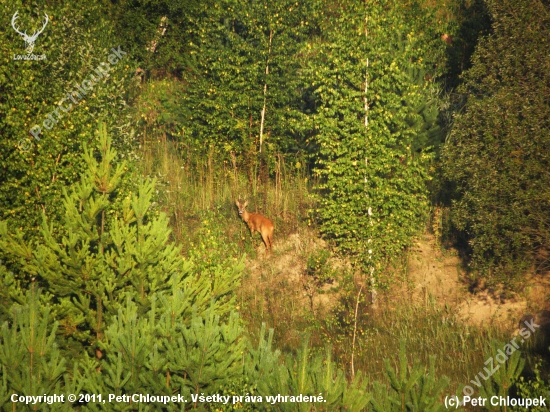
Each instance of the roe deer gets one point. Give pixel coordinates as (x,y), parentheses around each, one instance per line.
(257,223)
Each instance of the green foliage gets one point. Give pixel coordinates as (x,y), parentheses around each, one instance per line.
(159,34)
(469,22)
(171,349)
(508,369)
(121,311)
(10,291)
(305,374)
(533,388)
(112,246)
(4,393)
(158,106)
(31,362)
(255,52)
(242,92)
(495,157)
(209,353)
(210,247)
(131,310)
(318,267)
(375,121)
(263,359)
(412,388)
(78,37)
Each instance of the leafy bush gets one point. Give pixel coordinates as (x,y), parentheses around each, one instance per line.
(375,121)
(35,169)
(495,156)
(533,388)
(319,267)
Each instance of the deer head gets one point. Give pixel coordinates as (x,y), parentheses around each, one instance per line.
(28,39)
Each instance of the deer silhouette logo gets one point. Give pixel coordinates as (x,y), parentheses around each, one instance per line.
(29,40)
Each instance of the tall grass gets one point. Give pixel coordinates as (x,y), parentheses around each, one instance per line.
(192,182)
(427,327)
(195,185)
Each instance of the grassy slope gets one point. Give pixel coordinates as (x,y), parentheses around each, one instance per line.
(301,288)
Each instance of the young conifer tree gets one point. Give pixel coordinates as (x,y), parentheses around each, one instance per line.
(112,246)
(130,313)
(412,387)
(31,362)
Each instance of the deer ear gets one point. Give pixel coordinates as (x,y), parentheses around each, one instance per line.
(237,203)
(245,203)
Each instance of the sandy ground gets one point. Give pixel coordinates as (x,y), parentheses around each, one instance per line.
(439,273)
(432,274)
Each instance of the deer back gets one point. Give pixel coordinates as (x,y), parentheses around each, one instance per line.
(259,223)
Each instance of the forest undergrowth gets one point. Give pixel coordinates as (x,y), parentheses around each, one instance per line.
(303,288)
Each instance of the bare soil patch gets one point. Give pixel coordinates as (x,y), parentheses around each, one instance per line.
(439,274)
(279,280)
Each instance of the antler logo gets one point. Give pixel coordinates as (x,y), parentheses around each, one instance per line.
(29,40)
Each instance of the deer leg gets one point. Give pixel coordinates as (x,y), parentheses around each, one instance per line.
(265,238)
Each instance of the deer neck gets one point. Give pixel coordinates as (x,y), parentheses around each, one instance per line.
(245,216)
